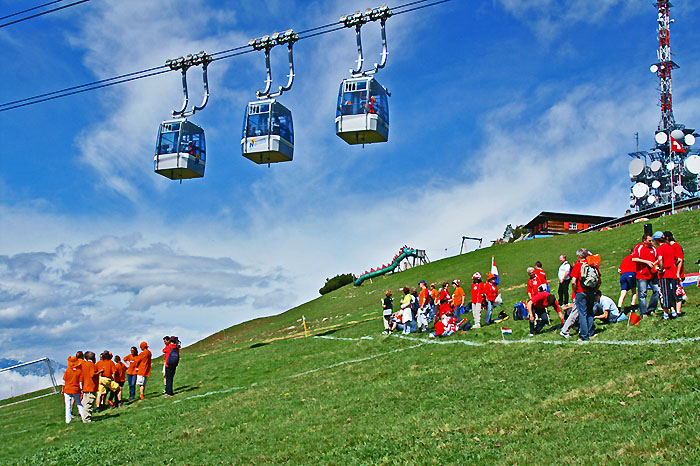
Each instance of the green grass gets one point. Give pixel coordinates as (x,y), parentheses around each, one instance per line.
(260,393)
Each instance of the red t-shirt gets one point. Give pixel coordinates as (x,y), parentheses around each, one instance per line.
(477,292)
(679,255)
(541,274)
(491,291)
(642,252)
(534,283)
(539,301)
(668,255)
(576,274)
(627,266)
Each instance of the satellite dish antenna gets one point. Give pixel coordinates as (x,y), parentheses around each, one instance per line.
(651,199)
(671,165)
(656,165)
(692,164)
(689,139)
(653,68)
(661,137)
(640,190)
(636,167)
(677,134)
(656,184)
(678,189)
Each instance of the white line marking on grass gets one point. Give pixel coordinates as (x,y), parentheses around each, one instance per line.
(366,337)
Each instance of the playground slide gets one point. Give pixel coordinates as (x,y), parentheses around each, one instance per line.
(404,252)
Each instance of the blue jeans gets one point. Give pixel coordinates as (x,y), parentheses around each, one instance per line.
(132,385)
(489,308)
(584,304)
(642,286)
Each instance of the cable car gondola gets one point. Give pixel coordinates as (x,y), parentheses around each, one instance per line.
(362,116)
(180,150)
(268,134)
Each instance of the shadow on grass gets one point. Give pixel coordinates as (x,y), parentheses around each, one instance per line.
(327,332)
(258,345)
(184,389)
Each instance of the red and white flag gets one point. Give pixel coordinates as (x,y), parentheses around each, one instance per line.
(676,146)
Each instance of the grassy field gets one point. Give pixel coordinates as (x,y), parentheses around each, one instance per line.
(261,393)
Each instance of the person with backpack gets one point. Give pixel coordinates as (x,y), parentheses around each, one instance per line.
(459,299)
(583,287)
(171,359)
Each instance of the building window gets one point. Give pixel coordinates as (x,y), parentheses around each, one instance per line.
(573,226)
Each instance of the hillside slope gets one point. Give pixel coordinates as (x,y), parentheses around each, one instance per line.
(260,393)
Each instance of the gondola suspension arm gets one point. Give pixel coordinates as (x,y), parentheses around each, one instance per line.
(357,20)
(266,43)
(183,64)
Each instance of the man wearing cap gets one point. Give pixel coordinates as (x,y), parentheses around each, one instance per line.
(668,274)
(458,298)
(477,292)
(644,256)
(143,361)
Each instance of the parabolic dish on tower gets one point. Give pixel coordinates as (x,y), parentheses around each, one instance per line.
(636,167)
(640,190)
(678,135)
(689,139)
(692,164)
(656,165)
(661,138)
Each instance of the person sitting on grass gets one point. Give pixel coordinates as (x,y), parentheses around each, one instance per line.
(537,309)
(571,319)
(606,310)
(396,322)
(447,326)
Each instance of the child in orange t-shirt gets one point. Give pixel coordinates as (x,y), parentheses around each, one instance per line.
(71,388)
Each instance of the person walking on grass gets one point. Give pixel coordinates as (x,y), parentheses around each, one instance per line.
(90,378)
(143,368)
(171,360)
(680,258)
(583,297)
(628,280)
(387,311)
(71,388)
(564,275)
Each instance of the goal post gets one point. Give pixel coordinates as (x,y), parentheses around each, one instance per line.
(25,378)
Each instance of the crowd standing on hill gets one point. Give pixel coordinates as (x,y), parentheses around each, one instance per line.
(91,385)
(656,264)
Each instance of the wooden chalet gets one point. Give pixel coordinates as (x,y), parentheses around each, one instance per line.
(555,223)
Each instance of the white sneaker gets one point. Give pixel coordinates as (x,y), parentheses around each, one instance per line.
(565,334)
(477,326)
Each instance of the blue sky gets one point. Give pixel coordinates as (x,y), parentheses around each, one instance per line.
(499,110)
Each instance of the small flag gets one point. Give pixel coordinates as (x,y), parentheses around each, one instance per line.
(506,331)
(634,319)
(676,146)
(494,269)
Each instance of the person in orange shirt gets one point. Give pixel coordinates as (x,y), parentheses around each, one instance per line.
(131,371)
(71,388)
(143,368)
(458,298)
(435,294)
(107,383)
(119,378)
(423,307)
(90,378)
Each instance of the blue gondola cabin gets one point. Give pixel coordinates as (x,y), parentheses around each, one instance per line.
(362,116)
(180,150)
(268,134)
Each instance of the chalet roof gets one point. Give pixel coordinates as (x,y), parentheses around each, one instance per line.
(564,217)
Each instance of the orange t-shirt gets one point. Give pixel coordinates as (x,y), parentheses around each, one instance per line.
(133,364)
(458,297)
(90,377)
(107,366)
(144,363)
(72,377)
(119,372)
(423,297)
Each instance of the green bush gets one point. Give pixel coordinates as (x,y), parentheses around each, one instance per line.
(337,282)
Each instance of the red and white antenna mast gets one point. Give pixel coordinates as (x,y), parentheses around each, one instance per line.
(664,66)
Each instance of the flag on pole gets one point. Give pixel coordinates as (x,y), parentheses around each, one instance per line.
(494,269)
(506,331)
(634,319)
(676,146)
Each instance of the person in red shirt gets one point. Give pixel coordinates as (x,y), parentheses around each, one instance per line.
(583,298)
(171,360)
(143,368)
(477,292)
(533,283)
(628,279)
(131,371)
(644,256)
(680,257)
(490,295)
(90,378)
(537,309)
(668,274)
(71,387)
(541,275)
(445,300)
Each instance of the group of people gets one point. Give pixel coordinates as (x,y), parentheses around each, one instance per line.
(420,307)
(657,263)
(92,385)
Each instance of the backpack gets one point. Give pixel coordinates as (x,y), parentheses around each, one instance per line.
(520,311)
(590,276)
(173,357)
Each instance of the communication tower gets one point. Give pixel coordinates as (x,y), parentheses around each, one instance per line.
(667,173)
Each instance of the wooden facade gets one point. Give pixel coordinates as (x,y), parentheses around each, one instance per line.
(555,223)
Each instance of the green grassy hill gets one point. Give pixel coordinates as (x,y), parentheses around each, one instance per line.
(261,393)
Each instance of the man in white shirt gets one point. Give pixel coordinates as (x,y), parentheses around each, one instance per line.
(606,310)
(564,280)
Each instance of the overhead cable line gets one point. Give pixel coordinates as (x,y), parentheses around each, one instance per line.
(221,55)
(42,13)
(30,9)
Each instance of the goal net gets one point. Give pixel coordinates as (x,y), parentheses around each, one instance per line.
(35,379)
